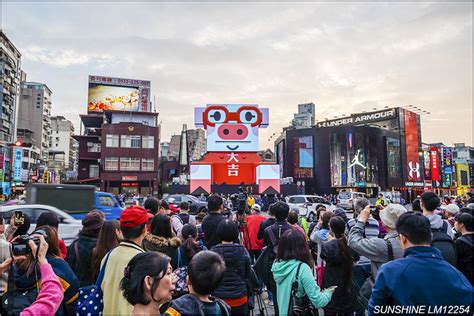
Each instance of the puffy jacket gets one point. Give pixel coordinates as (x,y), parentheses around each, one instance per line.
(80,262)
(423,277)
(238,270)
(164,245)
(343,301)
(284,272)
(190,305)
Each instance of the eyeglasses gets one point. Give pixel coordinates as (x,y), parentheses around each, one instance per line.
(218,114)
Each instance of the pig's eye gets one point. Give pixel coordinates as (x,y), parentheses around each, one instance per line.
(248,116)
(216,116)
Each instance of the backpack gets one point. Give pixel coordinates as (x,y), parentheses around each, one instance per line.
(300,305)
(183,217)
(181,273)
(16,300)
(444,243)
(90,300)
(273,239)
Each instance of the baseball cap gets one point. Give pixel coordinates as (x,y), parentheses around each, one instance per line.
(451,208)
(256,207)
(133,216)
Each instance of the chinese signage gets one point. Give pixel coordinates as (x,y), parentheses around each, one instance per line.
(434,163)
(361,118)
(18,155)
(1,168)
(448,160)
(118,94)
(129,178)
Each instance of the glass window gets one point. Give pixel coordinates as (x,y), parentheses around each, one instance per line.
(93,171)
(112,140)
(129,164)
(125,141)
(111,163)
(106,201)
(148,164)
(135,141)
(93,147)
(148,141)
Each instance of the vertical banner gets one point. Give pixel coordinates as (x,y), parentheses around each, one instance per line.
(1,167)
(412,147)
(434,163)
(17,164)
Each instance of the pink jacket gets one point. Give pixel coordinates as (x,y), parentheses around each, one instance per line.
(50,297)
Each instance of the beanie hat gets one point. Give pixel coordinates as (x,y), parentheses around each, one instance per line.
(451,208)
(93,221)
(391,213)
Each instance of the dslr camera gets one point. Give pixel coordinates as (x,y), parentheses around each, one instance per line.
(20,246)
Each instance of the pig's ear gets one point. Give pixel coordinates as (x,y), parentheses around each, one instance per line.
(265,117)
(198,118)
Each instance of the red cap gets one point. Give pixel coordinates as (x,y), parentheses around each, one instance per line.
(133,216)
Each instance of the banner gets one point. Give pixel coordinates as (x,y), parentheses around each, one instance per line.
(412,148)
(17,164)
(434,164)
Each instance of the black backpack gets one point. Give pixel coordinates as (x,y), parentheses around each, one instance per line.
(15,300)
(184,218)
(444,243)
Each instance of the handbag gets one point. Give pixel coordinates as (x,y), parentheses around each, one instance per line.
(181,274)
(320,274)
(300,305)
(91,299)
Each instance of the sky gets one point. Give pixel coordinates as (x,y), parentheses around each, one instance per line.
(344,57)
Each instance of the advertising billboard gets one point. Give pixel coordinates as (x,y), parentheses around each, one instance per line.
(434,164)
(17,164)
(303,157)
(414,168)
(281,156)
(393,158)
(118,94)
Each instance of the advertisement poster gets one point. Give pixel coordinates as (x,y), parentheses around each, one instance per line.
(118,94)
(412,148)
(434,164)
(17,164)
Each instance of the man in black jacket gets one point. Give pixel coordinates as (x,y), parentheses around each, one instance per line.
(280,210)
(215,203)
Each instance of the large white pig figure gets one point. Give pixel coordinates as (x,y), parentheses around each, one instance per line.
(232,145)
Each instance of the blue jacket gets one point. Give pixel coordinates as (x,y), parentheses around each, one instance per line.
(422,278)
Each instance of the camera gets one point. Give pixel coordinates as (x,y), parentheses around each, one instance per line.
(20,246)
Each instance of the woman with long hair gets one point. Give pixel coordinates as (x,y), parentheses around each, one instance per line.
(293,257)
(148,282)
(26,271)
(189,246)
(339,260)
(161,238)
(109,238)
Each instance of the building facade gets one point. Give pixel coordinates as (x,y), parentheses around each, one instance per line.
(61,141)
(365,152)
(120,156)
(10,67)
(197,146)
(34,114)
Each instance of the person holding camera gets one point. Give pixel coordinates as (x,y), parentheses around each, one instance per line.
(26,277)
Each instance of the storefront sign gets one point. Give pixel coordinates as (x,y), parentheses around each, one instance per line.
(130,184)
(18,155)
(414,184)
(360,118)
(448,160)
(129,178)
(434,163)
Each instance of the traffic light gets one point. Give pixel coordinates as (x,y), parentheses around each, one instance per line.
(20,144)
(46,178)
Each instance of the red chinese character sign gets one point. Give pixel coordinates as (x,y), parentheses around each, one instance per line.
(232,145)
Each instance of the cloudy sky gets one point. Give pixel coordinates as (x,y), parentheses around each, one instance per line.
(343,57)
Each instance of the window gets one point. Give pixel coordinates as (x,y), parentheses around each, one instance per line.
(135,141)
(297,200)
(112,140)
(129,164)
(93,171)
(148,141)
(148,164)
(125,141)
(106,201)
(111,163)
(93,147)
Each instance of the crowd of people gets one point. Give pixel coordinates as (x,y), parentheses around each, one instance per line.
(155,261)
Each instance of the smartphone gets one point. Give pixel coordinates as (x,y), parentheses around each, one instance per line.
(332,288)
(18,218)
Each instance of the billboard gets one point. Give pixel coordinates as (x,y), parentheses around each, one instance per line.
(303,157)
(17,163)
(281,156)
(412,148)
(393,158)
(118,94)
(434,163)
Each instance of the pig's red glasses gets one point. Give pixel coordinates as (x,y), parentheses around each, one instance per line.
(219,114)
